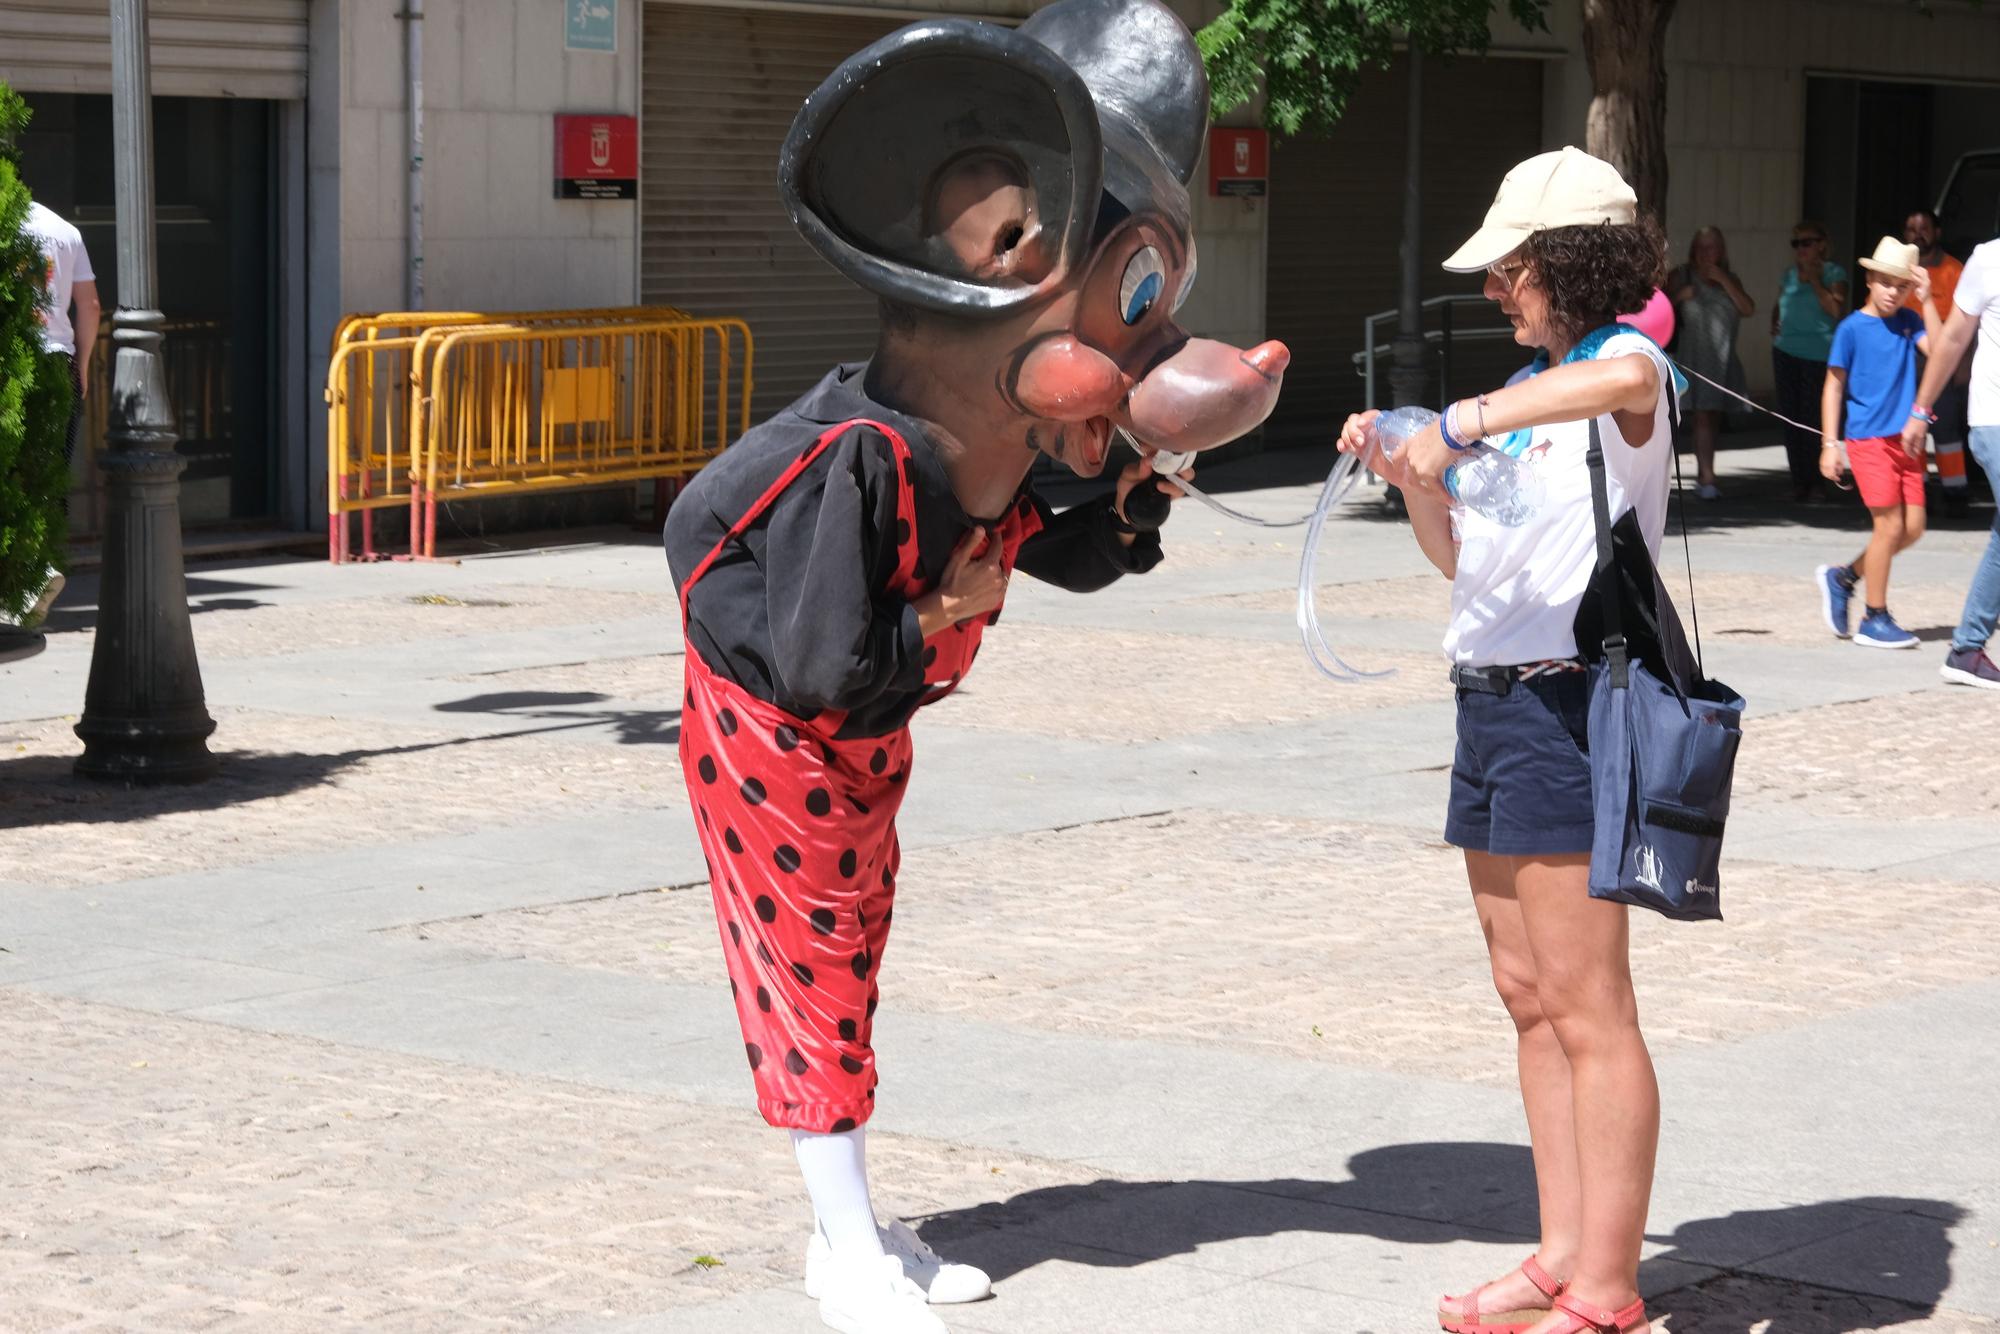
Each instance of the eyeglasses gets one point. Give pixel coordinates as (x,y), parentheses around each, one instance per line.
(1801,242)
(1505,273)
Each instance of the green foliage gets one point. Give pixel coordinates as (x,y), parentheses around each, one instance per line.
(1309,54)
(34,395)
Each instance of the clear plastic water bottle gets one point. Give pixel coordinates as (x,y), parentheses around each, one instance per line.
(1489,482)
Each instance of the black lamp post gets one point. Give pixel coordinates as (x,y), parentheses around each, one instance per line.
(1409,370)
(144,720)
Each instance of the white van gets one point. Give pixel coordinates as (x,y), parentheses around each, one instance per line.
(1970,201)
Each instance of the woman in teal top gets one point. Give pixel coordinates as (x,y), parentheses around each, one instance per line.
(1812,298)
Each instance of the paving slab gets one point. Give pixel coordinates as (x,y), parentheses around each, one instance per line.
(1187,1026)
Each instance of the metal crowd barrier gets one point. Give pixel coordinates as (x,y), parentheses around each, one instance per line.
(372,403)
(511,409)
(194,357)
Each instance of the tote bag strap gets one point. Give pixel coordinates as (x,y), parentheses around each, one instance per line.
(1687,554)
(1607,576)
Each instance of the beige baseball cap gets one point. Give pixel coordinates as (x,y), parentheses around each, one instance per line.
(1567,188)
(1894,259)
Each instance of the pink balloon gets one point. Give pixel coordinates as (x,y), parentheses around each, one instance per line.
(1655,319)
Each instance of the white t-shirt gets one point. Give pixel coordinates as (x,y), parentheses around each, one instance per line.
(68,264)
(1515,596)
(1978,295)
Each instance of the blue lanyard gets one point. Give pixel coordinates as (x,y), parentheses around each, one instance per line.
(1516,443)
(1593,342)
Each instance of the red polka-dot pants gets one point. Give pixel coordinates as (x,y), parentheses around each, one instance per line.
(799,828)
(800,836)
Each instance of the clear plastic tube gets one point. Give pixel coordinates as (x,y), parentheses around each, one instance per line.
(1346,473)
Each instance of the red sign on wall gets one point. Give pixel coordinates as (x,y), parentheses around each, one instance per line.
(597,157)
(1239,162)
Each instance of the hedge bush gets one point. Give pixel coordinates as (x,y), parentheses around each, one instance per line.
(34,395)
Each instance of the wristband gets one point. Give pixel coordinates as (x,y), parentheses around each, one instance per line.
(1451,439)
(1923,414)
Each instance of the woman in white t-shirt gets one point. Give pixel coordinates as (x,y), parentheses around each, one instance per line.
(1564,253)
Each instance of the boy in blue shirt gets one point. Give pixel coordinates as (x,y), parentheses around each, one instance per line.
(1872,371)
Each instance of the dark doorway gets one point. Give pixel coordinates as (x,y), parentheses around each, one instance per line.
(1876,150)
(216,227)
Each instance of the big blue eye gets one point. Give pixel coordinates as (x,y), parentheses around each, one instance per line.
(1145,278)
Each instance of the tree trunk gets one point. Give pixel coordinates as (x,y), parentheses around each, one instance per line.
(1625,43)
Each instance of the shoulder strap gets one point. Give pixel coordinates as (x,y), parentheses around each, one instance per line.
(1607,579)
(1687,554)
(784,480)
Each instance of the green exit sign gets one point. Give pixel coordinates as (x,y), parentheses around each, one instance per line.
(590,25)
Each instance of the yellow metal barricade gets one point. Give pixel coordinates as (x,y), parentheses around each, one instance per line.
(195,358)
(409,323)
(373,400)
(502,409)
(369,459)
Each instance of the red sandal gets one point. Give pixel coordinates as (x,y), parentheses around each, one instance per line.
(1471,1320)
(1583,1318)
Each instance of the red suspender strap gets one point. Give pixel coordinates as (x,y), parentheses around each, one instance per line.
(776,489)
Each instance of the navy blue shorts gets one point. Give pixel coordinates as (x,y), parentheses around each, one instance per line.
(1520,780)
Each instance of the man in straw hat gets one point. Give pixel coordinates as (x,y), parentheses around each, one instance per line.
(1872,372)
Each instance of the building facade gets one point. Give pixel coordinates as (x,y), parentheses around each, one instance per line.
(282,133)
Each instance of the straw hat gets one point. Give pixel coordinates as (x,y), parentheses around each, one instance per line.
(1893,259)
(1568,188)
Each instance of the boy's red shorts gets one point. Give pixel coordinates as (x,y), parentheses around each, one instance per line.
(1884,473)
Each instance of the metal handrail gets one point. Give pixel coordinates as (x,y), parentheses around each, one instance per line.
(1364,360)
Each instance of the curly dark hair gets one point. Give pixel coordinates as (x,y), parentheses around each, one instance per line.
(1592,275)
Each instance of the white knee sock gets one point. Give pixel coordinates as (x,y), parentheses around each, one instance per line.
(836,1173)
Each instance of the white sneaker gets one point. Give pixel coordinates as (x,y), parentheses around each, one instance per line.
(944,1283)
(874,1297)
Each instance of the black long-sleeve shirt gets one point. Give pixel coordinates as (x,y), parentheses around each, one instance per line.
(799,611)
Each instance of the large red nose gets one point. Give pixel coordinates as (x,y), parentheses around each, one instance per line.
(1268,358)
(1206,394)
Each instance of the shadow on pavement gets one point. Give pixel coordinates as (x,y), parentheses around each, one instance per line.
(1902,1256)
(77,608)
(44,789)
(1888,1259)
(567,711)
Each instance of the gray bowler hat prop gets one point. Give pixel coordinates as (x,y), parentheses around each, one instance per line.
(1086,100)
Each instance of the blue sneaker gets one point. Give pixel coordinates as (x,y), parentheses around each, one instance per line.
(1879,630)
(1836,591)
(1970,667)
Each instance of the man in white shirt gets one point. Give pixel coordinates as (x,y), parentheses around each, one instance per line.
(71,283)
(1975,309)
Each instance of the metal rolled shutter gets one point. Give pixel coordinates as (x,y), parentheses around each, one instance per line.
(1337,222)
(720,88)
(200,48)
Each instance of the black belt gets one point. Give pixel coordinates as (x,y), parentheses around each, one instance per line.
(1500,680)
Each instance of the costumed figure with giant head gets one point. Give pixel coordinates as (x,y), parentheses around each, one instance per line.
(1017,200)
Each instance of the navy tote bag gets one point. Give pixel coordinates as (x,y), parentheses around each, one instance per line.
(1663,736)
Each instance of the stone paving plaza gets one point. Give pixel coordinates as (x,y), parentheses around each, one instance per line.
(415,1020)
